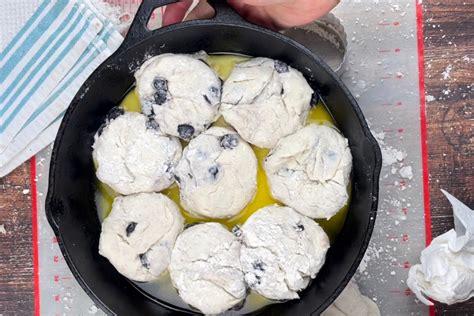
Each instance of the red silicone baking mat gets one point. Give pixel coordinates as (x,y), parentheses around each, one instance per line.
(384,71)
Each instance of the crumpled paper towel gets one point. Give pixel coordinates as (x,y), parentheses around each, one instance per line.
(352,302)
(446,272)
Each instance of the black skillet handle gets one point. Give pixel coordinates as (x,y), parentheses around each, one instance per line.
(139,30)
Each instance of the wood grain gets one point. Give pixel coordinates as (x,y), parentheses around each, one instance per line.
(449,43)
(449,58)
(16,263)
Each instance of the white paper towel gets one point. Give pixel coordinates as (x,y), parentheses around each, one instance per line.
(446,272)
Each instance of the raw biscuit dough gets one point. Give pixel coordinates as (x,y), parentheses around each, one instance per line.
(282,251)
(264,100)
(310,170)
(217,174)
(180,92)
(352,302)
(138,235)
(133,156)
(205,268)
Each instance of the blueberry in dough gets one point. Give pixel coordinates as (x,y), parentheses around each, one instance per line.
(299,227)
(160,84)
(229,141)
(161,94)
(130,228)
(216,91)
(258,265)
(144,260)
(159,98)
(280,66)
(214,170)
(152,124)
(185,131)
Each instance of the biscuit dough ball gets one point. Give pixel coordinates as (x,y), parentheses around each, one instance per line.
(132,155)
(282,251)
(264,100)
(180,92)
(205,268)
(310,171)
(139,234)
(217,174)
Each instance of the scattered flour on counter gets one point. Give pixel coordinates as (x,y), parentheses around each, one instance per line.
(93,309)
(430,98)
(406,172)
(446,72)
(372,253)
(391,155)
(3,230)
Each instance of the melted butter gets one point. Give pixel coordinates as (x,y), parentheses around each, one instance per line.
(223,65)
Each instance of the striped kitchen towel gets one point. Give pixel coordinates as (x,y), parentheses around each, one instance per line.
(42,68)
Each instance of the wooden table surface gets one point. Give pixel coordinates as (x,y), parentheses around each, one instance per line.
(448,44)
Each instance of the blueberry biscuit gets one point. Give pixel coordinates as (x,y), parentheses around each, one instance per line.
(205,268)
(264,100)
(132,155)
(282,251)
(217,174)
(138,235)
(181,93)
(310,170)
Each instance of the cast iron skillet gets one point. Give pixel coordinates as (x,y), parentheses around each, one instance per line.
(70,205)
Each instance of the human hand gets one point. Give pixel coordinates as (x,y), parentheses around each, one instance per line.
(275,14)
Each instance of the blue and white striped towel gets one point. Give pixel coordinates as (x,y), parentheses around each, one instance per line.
(42,68)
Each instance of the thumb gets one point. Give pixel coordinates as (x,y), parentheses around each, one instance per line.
(175,12)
